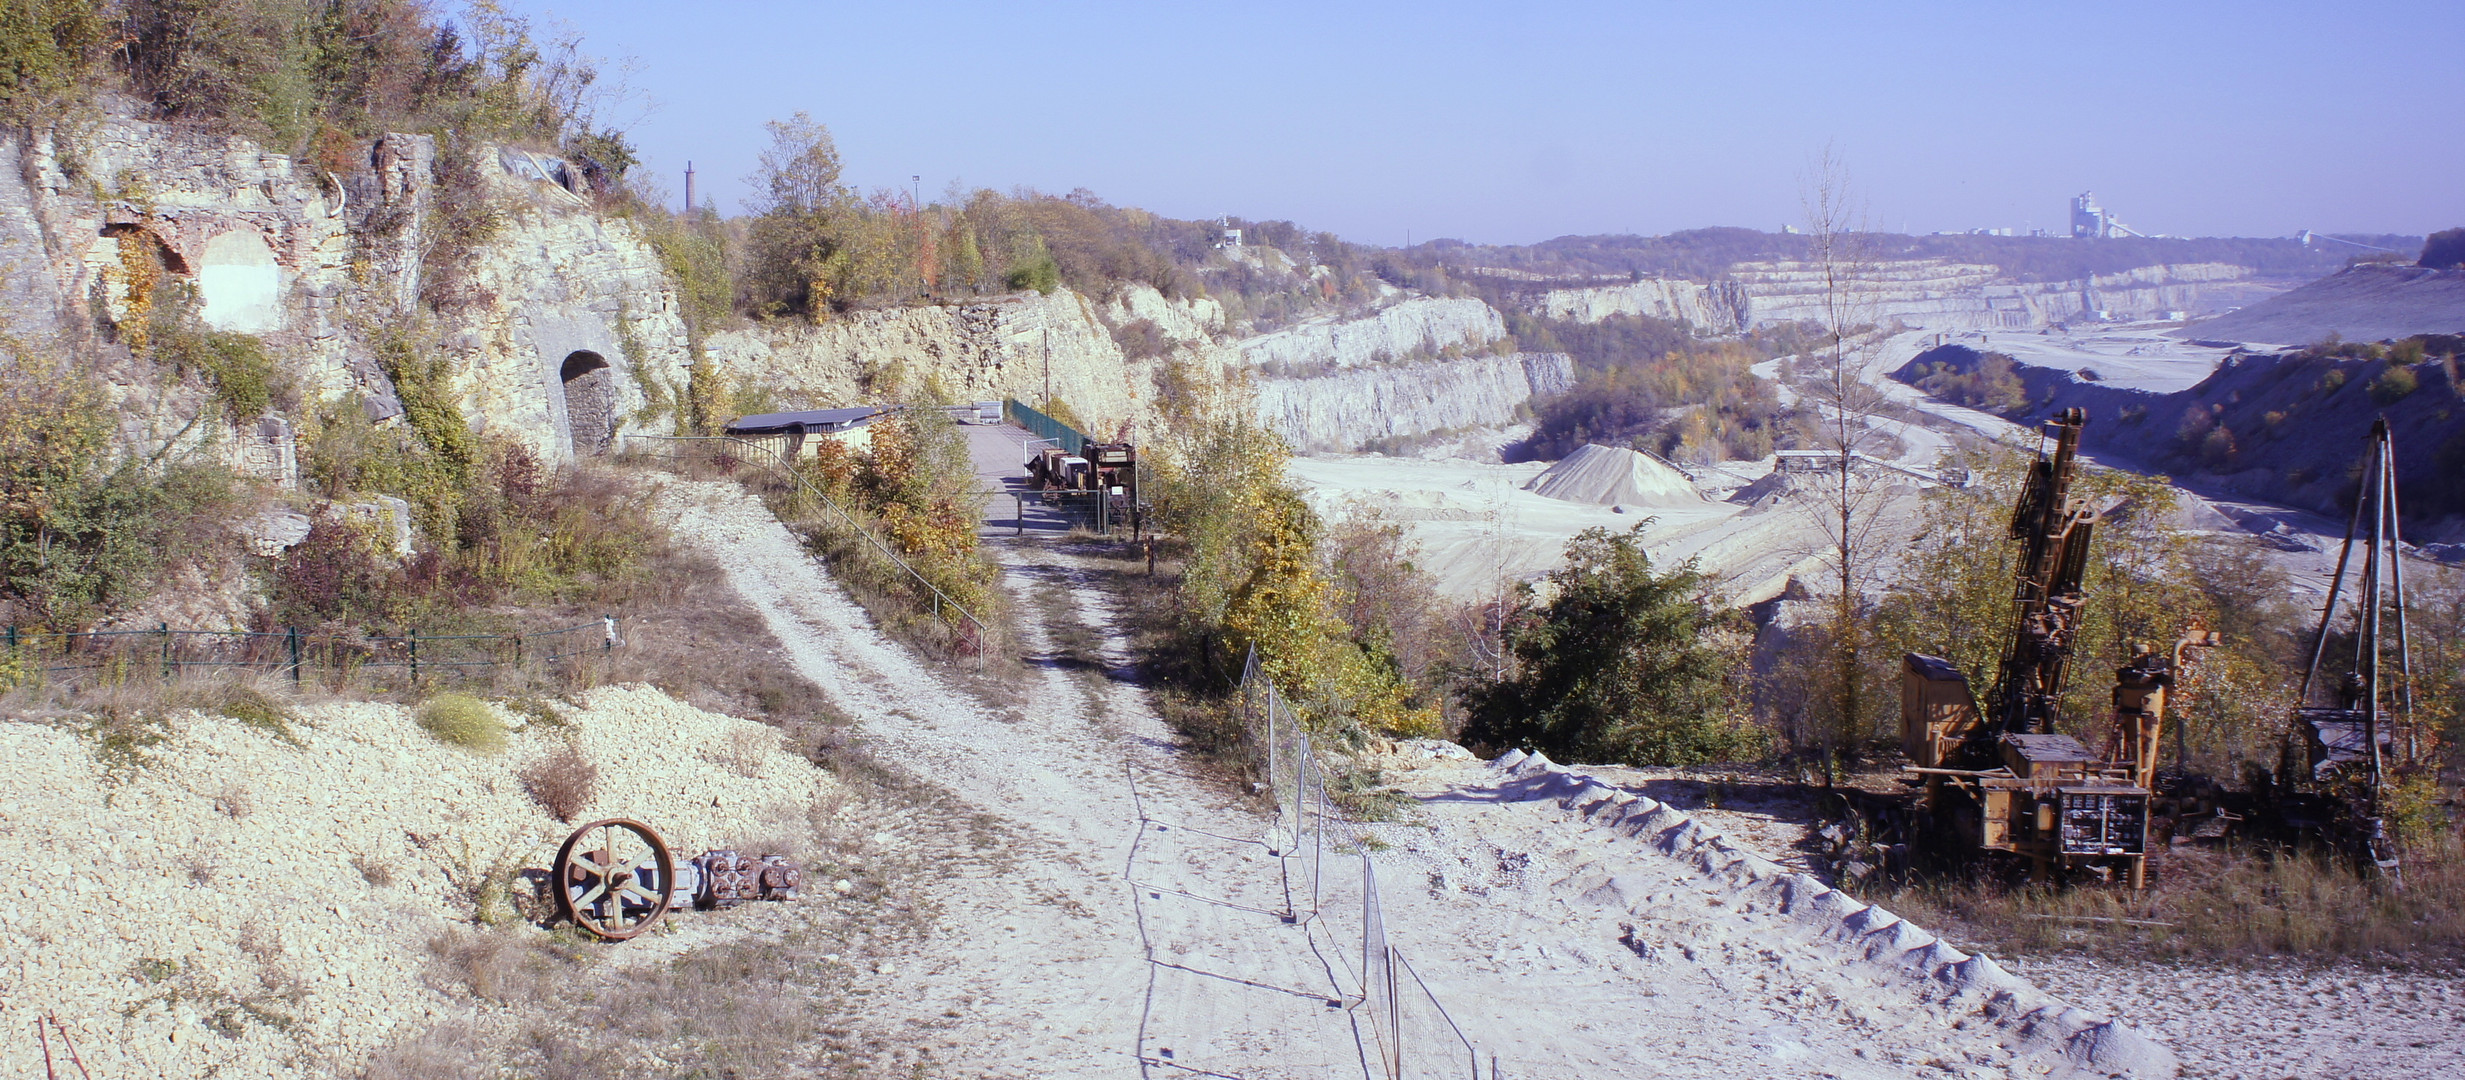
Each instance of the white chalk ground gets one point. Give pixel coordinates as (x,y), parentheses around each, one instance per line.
(1477,526)
(205,915)
(1133,927)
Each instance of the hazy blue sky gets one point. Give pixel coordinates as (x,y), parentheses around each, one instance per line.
(1519,122)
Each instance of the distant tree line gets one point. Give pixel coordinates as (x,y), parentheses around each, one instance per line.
(1651,384)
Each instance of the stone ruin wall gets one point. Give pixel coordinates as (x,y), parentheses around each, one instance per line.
(318,266)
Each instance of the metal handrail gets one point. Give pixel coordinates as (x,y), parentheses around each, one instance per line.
(984,635)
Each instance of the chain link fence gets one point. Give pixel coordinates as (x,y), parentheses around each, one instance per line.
(1414,1035)
(111,656)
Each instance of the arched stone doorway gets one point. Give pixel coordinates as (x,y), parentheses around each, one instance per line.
(590,402)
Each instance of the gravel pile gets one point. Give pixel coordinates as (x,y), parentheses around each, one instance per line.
(247,907)
(1612,476)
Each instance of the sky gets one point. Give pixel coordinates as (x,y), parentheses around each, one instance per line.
(1514,123)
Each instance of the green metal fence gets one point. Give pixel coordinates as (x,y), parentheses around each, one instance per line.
(168,653)
(1071,440)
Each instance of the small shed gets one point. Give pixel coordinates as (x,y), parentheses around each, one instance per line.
(791,433)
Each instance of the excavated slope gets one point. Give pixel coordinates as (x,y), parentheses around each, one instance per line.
(2360,303)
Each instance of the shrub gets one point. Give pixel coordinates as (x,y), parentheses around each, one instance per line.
(79,533)
(1038,272)
(2393,384)
(1142,339)
(1989,381)
(336,577)
(235,365)
(562,783)
(99,540)
(464,221)
(464,721)
(1252,575)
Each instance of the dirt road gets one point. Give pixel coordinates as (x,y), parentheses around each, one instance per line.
(1133,921)
(1129,918)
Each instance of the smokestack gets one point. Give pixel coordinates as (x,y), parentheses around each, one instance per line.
(688,187)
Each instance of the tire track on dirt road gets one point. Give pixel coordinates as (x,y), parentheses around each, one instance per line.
(1061,963)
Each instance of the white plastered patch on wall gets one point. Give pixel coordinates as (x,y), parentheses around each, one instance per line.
(241,285)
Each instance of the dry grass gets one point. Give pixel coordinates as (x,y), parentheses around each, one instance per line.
(2219,905)
(126,716)
(746,752)
(452,1050)
(1194,698)
(375,872)
(233,802)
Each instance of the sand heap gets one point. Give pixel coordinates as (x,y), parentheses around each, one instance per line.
(1609,476)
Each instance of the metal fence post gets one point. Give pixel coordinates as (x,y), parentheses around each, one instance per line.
(165,629)
(294,638)
(413,638)
(1395,1019)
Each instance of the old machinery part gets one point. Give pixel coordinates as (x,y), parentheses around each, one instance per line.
(728,879)
(2142,688)
(778,878)
(614,878)
(2053,528)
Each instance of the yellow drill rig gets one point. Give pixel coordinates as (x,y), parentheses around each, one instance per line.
(2008,780)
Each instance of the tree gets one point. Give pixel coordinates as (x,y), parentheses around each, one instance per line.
(2444,250)
(1844,499)
(1623,663)
(1252,573)
(800,213)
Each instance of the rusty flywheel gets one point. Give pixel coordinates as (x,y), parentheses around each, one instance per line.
(613,878)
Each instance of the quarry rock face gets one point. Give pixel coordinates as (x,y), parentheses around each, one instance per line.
(1355,405)
(1934,293)
(323,267)
(1001,347)
(1417,326)
(1713,307)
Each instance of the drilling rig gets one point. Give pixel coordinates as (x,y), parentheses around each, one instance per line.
(2336,762)
(2006,779)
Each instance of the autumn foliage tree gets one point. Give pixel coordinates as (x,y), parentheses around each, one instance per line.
(1253,577)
